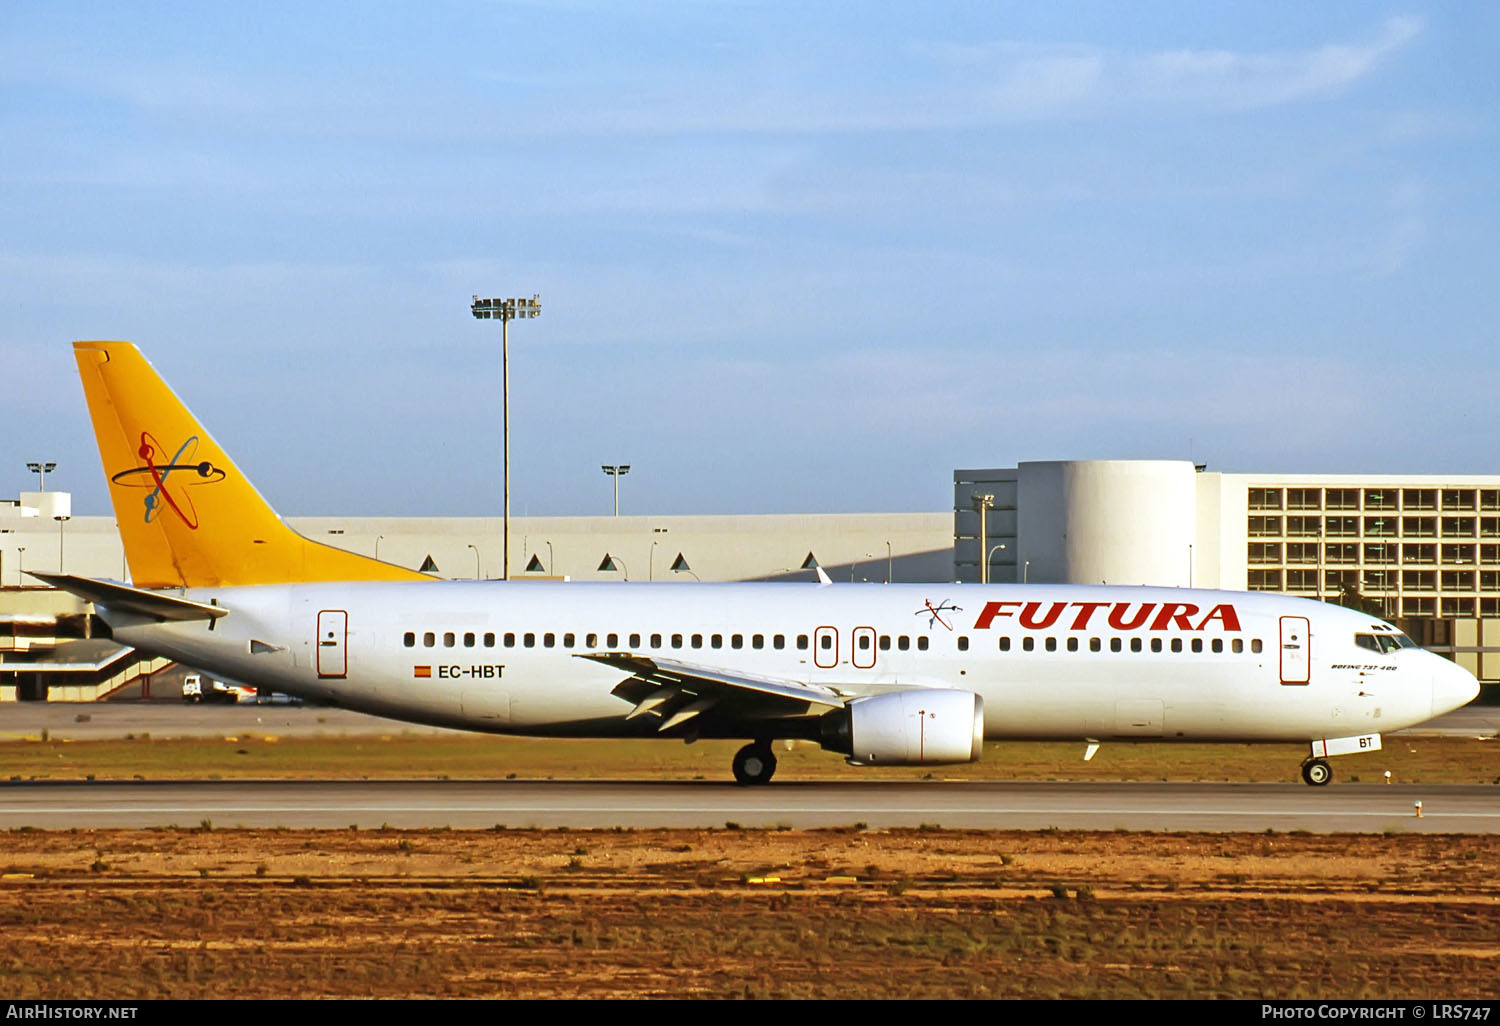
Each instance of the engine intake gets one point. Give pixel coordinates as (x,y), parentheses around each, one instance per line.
(908,728)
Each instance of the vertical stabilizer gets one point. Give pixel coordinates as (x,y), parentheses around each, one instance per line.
(187,516)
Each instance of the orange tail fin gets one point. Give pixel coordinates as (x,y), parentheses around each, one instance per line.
(188,517)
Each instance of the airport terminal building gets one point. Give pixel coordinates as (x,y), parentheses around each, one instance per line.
(1424,549)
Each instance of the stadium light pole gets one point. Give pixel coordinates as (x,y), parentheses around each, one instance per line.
(616,471)
(506,310)
(982,503)
(41,470)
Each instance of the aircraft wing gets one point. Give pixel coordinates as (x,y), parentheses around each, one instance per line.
(678,691)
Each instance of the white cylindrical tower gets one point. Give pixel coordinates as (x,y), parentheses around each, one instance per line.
(1108,521)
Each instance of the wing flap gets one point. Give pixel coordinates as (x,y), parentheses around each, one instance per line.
(677,692)
(700,678)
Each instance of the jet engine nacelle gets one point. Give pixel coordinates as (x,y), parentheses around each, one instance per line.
(908,728)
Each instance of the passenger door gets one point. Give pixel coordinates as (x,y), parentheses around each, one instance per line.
(862,648)
(1296,650)
(333,641)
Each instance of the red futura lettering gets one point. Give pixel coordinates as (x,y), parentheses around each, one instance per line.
(990,611)
(1117,616)
(1175,613)
(1178,615)
(1028,615)
(1226,616)
(1086,610)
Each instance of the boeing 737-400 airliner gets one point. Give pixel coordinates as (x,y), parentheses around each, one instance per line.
(884,674)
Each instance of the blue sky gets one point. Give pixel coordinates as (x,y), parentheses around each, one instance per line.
(792,258)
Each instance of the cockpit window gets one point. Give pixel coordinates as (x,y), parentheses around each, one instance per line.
(1383,643)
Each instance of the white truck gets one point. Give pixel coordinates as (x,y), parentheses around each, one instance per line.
(197,688)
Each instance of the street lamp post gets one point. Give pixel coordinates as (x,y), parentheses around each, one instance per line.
(993,549)
(60,522)
(476,560)
(41,470)
(504,310)
(1320,559)
(616,471)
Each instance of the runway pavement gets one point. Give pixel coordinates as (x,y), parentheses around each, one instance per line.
(1362,808)
(96,721)
(584,804)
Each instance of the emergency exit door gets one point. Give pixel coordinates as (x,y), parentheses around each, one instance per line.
(333,641)
(826,647)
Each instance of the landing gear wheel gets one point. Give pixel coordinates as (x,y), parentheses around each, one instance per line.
(1316,772)
(754,764)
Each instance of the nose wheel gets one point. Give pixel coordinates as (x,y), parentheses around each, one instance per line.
(754,764)
(1316,772)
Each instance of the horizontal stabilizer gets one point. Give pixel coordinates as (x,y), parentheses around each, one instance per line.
(125,599)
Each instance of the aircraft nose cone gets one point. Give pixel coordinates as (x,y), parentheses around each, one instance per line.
(1452,687)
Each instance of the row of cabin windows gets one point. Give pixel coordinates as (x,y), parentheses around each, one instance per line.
(903,643)
(451,639)
(1074,644)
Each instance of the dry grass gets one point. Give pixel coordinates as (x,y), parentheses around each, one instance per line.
(396,755)
(211,913)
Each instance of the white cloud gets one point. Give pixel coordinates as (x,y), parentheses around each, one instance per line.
(1079,81)
(939,85)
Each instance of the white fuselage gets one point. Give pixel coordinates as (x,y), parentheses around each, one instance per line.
(1049,661)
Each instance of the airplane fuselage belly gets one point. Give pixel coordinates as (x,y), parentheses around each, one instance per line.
(501,657)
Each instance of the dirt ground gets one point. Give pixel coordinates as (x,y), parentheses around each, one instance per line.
(736,913)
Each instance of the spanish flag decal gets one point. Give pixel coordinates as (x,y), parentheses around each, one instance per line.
(421,671)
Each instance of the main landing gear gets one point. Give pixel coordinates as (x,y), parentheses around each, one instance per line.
(754,764)
(1316,772)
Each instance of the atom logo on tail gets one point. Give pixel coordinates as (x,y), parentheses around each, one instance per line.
(180,469)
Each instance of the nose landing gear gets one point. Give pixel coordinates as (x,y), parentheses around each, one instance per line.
(1316,772)
(754,764)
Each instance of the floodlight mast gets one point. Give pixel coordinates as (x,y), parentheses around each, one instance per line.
(504,310)
(983,503)
(41,470)
(615,471)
